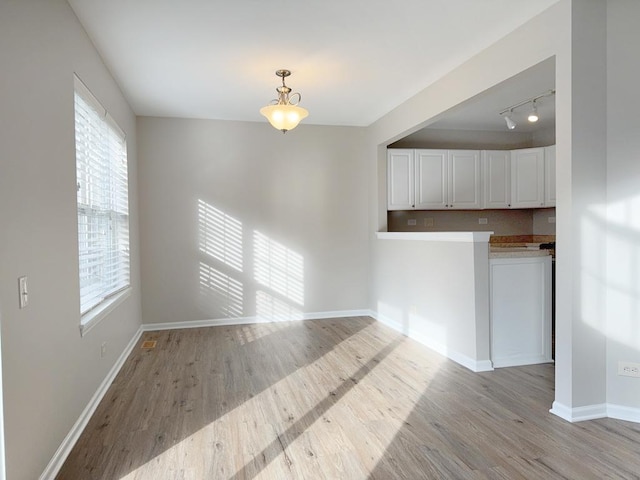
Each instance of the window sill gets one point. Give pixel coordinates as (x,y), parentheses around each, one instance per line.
(95,316)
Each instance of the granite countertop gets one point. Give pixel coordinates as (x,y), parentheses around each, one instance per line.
(519,246)
(506,252)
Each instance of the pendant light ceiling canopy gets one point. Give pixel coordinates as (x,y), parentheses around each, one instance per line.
(283,112)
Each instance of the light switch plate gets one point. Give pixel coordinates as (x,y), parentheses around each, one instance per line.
(22,292)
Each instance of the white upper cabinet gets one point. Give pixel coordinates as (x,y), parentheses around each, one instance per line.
(527,178)
(550,176)
(464,179)
(400,179)
(427,179)
(431,179)
(496,172)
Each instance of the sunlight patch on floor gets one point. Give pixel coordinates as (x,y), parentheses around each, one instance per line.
(309,421)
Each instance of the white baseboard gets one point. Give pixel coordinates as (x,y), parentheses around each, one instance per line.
(620,412)
(70,440)
(592,412)
(464,360)
(579,414)
(518,361)
(219,322)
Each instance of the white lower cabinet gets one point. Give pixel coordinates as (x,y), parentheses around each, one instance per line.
(520,306)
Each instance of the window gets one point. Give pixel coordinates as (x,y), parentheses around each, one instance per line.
(103,205)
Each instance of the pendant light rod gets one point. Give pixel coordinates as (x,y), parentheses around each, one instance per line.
(530,100)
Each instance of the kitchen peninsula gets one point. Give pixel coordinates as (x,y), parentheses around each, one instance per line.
(437,291)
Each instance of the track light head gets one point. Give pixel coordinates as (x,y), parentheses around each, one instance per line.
(509,120)
(533,114)
(510,123)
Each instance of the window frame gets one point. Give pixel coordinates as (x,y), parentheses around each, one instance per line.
(112,210)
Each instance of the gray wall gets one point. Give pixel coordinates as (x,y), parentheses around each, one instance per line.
(302,193)
(50,373)
(623,200)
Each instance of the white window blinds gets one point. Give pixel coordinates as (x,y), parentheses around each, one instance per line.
(103,203)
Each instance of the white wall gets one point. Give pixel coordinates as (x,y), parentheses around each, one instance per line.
(597,176)
(433,291)
(581,188)
(623,200)
(49,371)
(304,191)
(532,43)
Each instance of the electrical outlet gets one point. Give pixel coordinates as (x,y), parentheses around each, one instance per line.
(483,221)
(629,369)
(103,349)
(412,222)
(551,219)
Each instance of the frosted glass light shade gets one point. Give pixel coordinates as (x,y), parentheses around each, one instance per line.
(284,117)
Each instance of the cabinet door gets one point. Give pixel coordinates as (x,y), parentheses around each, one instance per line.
(496,168)
(527,178)
(550,176)
(431,179)
(520,306)
(400,179)
(464,179)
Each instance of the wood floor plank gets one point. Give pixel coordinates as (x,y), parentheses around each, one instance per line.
(333,399)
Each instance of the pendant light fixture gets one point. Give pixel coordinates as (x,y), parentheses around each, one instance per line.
(532,116)
(283,112)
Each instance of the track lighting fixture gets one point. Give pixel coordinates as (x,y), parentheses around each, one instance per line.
(507,113)
(510,123)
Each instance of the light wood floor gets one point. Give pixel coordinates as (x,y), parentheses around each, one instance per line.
(334,399)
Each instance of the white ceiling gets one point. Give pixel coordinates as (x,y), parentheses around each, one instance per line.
(482,112)
(352,60)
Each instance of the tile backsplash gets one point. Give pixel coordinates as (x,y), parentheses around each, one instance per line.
(501,222)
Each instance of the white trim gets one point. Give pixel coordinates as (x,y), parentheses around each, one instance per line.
(579,414)
(94,316)
(220,322)
(519,360)
(470,237)
(620,412)
(3,472)
(465,361)
(70,440)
